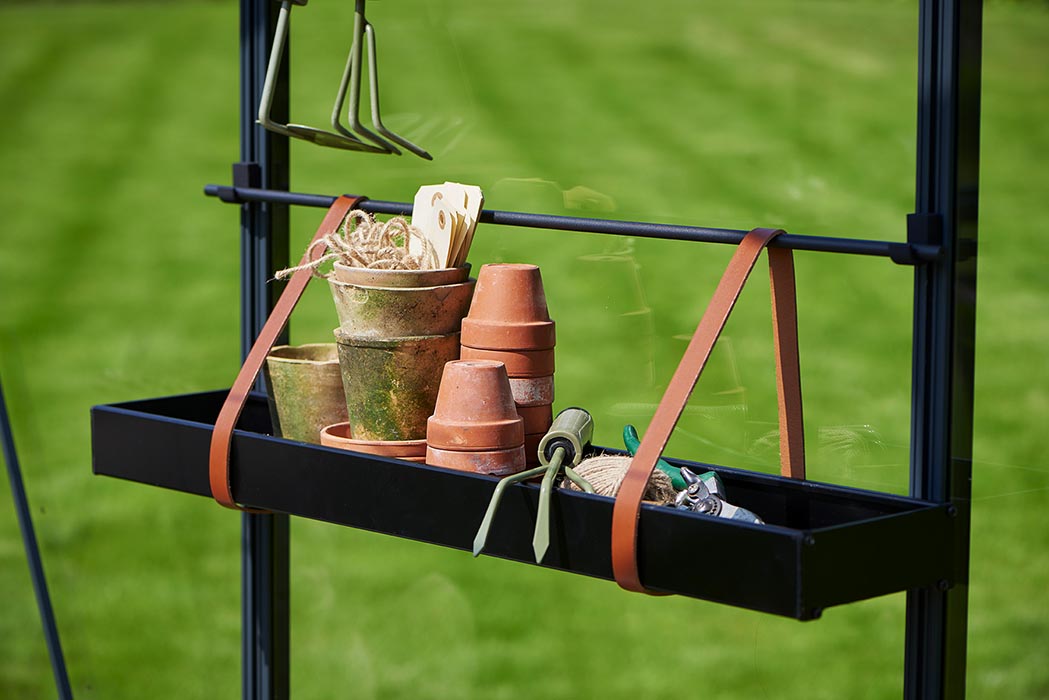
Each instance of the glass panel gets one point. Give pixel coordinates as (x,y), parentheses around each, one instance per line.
(797,116)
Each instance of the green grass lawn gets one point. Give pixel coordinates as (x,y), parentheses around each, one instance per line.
(118,280)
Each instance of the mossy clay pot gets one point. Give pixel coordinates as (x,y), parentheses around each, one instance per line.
(369,277)
(339,435)
(509,310)
(391,384)
(305,390)
(399,312)
(520,364)
(493,462)
(475,409)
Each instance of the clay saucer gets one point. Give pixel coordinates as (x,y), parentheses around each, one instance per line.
(338,435)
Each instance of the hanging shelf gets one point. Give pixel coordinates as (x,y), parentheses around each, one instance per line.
(823,545)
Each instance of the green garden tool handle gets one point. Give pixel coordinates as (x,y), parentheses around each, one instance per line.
(632,441)
(572,429)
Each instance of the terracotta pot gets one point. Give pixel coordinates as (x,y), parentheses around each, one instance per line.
(399,312)
(531,446)
(368,277)
(538,391)
(537,419)
(391,385)
(305,390)
(475,409)
(493,462)
(509,310)
(520,364)
(338,435)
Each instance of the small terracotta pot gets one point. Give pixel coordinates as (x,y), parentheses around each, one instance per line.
(391,385)
(533,392)
(509,311)
(305,390)
(493,462)
(520,364)
(475,409)
(537,419)
(338,435)
(369,277)
(399,312)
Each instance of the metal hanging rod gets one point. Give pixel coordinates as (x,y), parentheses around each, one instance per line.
(901,253)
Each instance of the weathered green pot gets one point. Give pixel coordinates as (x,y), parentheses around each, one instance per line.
(370,277)
(391,383)
(305,389)
(399,312)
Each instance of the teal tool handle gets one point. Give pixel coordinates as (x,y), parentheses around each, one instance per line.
(632,441)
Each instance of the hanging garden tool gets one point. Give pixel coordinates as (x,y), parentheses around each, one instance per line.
(340,138)
(562,446)
(363,31)
(299,131)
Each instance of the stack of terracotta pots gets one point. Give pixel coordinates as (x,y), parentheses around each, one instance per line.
(397,329)
(475,426)
(509,322)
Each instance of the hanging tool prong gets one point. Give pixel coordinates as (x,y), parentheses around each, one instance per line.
(373,91)
(351,82)
(308,133)
(500,488)
(541,535)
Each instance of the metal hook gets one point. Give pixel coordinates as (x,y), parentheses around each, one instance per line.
(301,131)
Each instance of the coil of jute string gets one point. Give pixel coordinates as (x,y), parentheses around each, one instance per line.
(361,241)
(605,473)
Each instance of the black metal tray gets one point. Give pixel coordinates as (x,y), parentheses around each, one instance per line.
(823,545)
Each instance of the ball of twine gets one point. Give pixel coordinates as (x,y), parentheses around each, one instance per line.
(605,473)
(361,241)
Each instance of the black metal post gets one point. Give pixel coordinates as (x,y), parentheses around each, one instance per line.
(32,553)
(264,248)
(944,327)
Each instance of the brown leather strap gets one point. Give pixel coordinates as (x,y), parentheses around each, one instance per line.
(218,460)
(781,269)
(788,365)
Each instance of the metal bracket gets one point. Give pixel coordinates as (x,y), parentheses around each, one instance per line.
(244,175)
(924,231)
(247,175)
